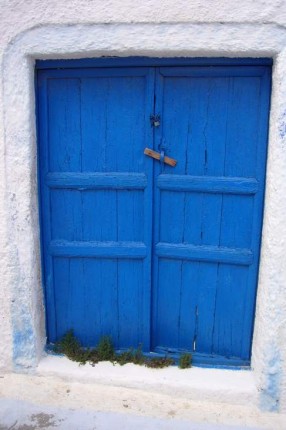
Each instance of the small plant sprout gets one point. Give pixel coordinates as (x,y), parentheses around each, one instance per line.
(185,361)
(70,346)
(134,356)
(159,362)
(105,349)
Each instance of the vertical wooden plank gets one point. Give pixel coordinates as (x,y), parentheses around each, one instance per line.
(167,312)
(202,218)
(188,305)
(130,304)
(171,216)
(99,215)
(95,98)
(64,125)
(231,309)
(243,120)
(131,216)
(61,276)
(236,221)
(101,306)
(198,306)
(76,297)
(126,122)
(66,214)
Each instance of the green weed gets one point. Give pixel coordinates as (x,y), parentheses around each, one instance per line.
(105,349)
(185,361)
(70,346)
(159,362)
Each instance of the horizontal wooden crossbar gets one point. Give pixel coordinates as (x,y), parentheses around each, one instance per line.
(133,250)
(208,184)
(90,181)
(208,253)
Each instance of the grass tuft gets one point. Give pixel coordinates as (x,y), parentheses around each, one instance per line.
(185,361)
(105,349)
(159,362)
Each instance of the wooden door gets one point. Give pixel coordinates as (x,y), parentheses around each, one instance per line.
(149,254)
(208,210)
(96,189)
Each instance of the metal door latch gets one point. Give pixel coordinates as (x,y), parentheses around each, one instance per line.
(160,156)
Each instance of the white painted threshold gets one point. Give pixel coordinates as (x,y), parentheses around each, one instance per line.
(236,387)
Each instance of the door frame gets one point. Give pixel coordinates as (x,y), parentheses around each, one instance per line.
(141,61)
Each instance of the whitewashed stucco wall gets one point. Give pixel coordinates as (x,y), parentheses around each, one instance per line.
(58,29)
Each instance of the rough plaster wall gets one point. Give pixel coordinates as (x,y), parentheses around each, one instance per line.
(5,267)
(37,29)
(26,307)
(271,300)
(19,15)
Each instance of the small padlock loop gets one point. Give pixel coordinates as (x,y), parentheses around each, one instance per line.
(155,120)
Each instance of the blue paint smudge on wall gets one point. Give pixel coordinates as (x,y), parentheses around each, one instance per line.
(270,393)
(282,125)
(23,340)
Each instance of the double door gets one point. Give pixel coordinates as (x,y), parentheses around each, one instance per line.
(147,253)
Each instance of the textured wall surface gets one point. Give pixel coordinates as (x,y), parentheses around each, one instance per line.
(32,29)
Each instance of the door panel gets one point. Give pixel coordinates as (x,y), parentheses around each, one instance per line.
(208,208)
(149,254)
(97,202)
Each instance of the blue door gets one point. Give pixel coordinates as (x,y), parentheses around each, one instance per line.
(147,253)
